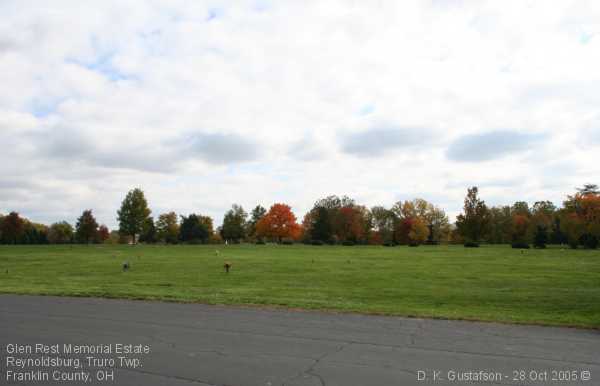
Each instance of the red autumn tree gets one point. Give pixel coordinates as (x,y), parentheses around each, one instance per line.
(103,234)
(519,229)
(278,223)
(351,224)
(12,228)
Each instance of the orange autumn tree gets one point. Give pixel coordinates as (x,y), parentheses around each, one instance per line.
(279,223)
(581,218)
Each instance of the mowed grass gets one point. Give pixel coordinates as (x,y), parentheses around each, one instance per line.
(492,283)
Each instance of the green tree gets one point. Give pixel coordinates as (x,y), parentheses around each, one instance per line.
(321,228)
(473,222)
(255,216)
(86,227)
(384,222)
(60,233)
(193,229)
(234,224)
(521,208)
(540,237)
(167,228)
(133,214)
(500,225)
(148,234)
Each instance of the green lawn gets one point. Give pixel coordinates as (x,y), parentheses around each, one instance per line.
(552,286)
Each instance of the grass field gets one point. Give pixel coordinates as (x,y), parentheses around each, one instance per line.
(552,286)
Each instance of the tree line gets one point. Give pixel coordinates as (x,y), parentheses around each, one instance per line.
(335,220)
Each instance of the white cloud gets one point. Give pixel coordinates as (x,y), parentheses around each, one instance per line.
(203,104)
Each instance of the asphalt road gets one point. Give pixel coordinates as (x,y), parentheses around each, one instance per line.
(218,345)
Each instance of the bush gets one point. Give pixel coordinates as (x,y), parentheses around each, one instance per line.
(471,244)
(520,245)
(317,242)
(260,242)
(540,246)
(287,241)
(348,243)
(432,242)
(389,244)
(413,244)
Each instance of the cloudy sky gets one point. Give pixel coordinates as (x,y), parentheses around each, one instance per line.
(203,104)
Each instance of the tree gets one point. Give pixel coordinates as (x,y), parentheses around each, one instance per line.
(167,228)
(86,227)
(384,222)
(473,222)
(193,229)
(418,231)
(521,208)
(573,227)
(207,222)
(103,234)
(437,224)
(500,225)
(255,216)
(148,234)
(234,224)
(278,223)
(540,237)
(543,208)
(13,228)
(589,189)
(351,224)
(133,214)
(60,233)
(590,213)
(556,234)
(34,233)
(520,227)
(581,215)
(419,216)
(317,224)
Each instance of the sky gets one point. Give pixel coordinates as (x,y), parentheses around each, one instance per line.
(203,104)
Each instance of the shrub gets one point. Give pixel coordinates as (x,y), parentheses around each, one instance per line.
(413,244)
(389,244)
(317,242)
(287,241)
(260,242)
(348,243)
(471,244)
(520,245)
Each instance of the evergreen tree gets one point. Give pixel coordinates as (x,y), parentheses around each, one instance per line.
(540,238)
(193,229)
(321,228)
(86,228)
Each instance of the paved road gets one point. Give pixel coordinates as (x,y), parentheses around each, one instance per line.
(214,345)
